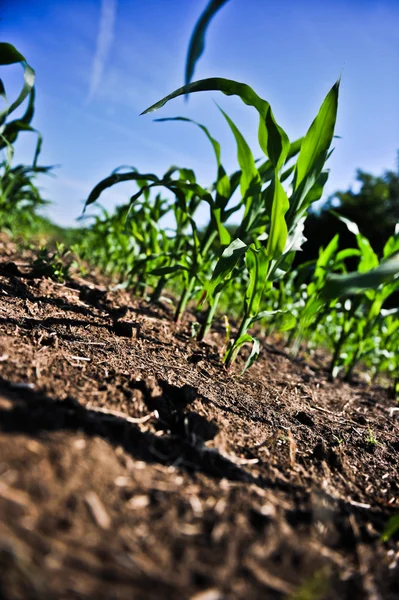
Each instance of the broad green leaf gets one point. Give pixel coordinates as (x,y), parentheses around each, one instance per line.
(354,283)
(257,262)
(318,139)
(392,244)
(244,339)
(277,142)
(287,322)
(250,177)
(266,169)
(278,227)
(225,265)
(369,259)
(197,41)
(230,88)
(316,191)
(325,255)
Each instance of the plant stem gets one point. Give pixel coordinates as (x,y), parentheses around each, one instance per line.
(184,298)
(232,351)
(158,289)
(207,323)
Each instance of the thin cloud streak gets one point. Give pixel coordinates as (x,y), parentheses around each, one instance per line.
(104,42)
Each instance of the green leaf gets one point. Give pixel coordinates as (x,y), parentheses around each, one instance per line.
(197,41)
(288,320)
(253,356)
(347,253)
(113,180)
(325,255)
(278,227)
(318,139)
(369,259)
(228,87)
(392,244)
(257,262)
(222,182)
(225,265)
(354,283)
(276,142)
(8,56)
(161,271)
(391,528)
(250,177)
(244,339)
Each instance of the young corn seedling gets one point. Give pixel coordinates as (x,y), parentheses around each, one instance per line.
(363,313)
(281,224)
(145,229)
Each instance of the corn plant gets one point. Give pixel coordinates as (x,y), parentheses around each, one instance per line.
(19,196)
(276,217)
(9,130)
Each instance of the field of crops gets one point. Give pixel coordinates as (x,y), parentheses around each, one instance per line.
(193,411)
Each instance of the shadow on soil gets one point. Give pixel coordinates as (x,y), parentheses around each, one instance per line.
(183,431)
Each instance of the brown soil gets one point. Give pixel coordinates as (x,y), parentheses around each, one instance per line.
(132,465)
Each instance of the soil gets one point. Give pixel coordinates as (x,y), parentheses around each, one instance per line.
(133,466)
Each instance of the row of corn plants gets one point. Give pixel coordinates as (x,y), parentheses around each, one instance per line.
(250,262)
(240,268)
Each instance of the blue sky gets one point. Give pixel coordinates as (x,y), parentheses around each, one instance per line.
(99,63)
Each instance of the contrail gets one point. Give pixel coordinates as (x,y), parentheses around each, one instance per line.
(104,42)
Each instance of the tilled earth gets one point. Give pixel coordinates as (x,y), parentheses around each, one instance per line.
(133,466)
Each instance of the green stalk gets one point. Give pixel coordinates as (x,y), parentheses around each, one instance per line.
(337,351)
(158,290)
(357,355)
(184,298)
(210,313)
(232,350)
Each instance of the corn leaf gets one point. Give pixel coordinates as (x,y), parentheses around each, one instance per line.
(250,177)
(228,87)
(253,357)
(225,265)
(113,180)
(9,55)
(391,528)
(278,227)
(276,141)
(317,141)
(222,182)
(354,283)
(197,41)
